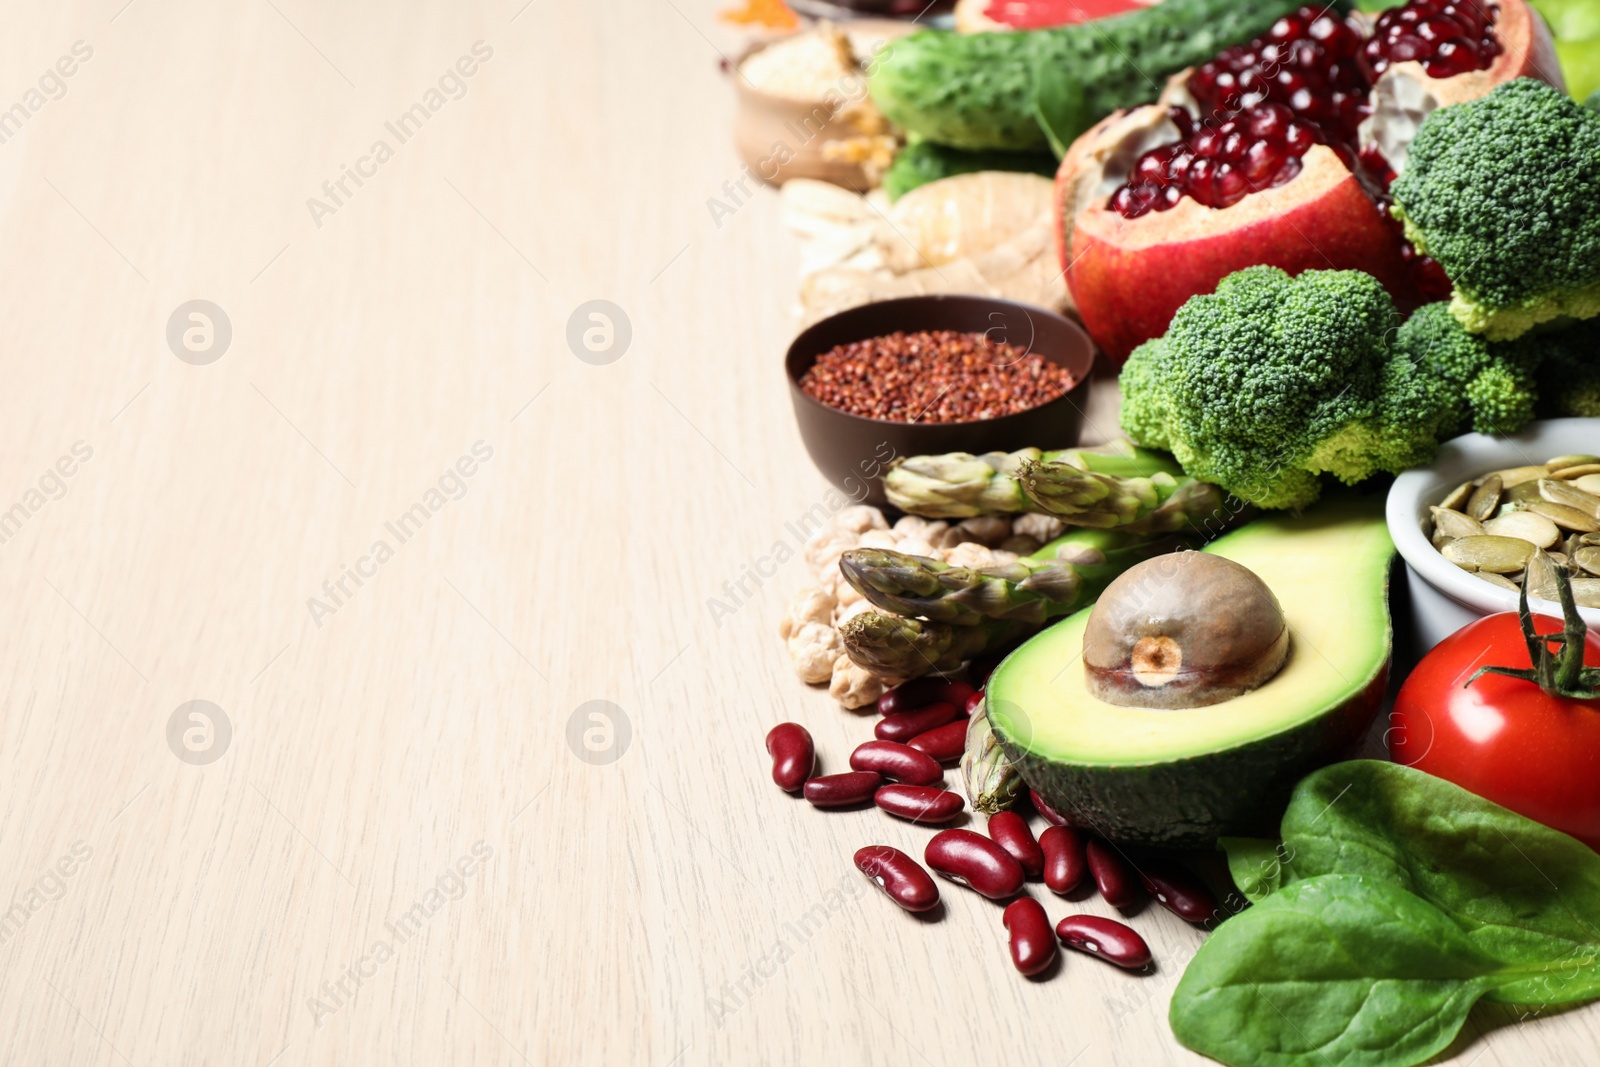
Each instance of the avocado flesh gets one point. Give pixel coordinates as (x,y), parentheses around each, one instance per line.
(1183,777)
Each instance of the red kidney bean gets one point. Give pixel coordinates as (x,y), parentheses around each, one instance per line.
(973,701)
(974,861)
(943,743)
(1051,815)
(921,692)
(919,803)
(898,875)
(904,725)
(1010,831)
(1110,940)
(1178,891)
(1064,861)
(894,760)
(842,790)
(1111,874)
(1032,946)
(793,755)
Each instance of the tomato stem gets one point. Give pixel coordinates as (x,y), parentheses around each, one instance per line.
(1561,674)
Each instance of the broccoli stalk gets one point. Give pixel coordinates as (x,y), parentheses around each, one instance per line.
(1272,382)
(1504,191)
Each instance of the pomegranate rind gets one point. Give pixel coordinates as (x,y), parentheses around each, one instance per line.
(1130,276)
(1099,160)
(1404,94)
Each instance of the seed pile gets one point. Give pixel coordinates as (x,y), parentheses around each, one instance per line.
(934,376)
(899,772)
(1518,526)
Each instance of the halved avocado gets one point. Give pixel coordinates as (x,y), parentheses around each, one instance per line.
(1183,777)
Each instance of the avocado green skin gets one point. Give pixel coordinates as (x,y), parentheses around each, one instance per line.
(1189,803)
(975,90)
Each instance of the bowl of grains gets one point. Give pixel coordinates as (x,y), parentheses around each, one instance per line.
(931,374)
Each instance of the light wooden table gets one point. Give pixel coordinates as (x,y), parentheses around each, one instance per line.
(643,897)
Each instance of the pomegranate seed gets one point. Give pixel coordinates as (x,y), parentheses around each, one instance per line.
(1231,185)
(1439,28)
(1305,82)
(1286,29)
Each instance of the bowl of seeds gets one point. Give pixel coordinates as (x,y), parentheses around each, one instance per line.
(925,375)
(1493,515)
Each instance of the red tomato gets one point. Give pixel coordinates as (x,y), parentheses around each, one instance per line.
(1503,738)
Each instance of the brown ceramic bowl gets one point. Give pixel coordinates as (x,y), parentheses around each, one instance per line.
(780,138)
(852,452)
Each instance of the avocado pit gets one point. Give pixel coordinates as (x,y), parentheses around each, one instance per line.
(1184,630)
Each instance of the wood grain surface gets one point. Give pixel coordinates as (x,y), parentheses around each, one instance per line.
(413,841)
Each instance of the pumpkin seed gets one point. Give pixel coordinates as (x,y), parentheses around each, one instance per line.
(1521,495)
(1589,539)
(1582,470)
(1559,558)
(1568,518)
(1535,529)
(1588,558)
(1574,460)
(1453,524)
(1513,476)
(1458,497)
(1499,579)
(1485,498)
(1570,495)
(1589,483)
(1586,592)
(1488,553)
(1540,577)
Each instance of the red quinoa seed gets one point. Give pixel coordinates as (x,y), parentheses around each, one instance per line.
(934,376)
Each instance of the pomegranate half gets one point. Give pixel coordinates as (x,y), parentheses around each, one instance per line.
(1130,276)
(1276,152)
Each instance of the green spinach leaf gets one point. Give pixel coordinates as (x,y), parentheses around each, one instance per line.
(1256,865)
(1333,971)
(1522,892)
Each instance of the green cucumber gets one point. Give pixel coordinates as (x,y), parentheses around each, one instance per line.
(976,90)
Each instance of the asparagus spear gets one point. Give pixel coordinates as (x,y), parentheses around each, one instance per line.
(890,646)
(1157,504)
(1063,576)
(959,485)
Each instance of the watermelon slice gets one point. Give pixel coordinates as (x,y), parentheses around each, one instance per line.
(977,16)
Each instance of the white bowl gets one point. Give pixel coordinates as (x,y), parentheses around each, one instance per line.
(1444,598)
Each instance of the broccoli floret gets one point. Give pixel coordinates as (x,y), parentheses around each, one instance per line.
(1504,192)
(1144,397)
(1492,387)
(1272,381)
